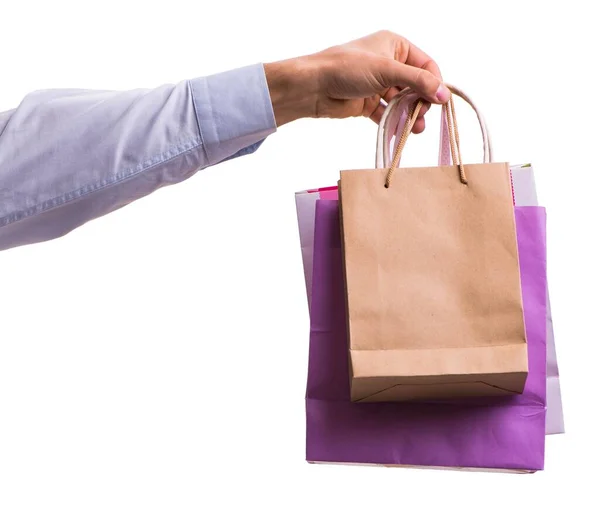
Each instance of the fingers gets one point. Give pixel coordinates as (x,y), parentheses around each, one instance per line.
(424,108)
(418,58)
(419,126)
(378,111)
(373,107)
(405,51)
(377,114)
(390,94)
(390,73)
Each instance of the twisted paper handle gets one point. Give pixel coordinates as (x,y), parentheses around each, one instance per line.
(397,113)
(413,114)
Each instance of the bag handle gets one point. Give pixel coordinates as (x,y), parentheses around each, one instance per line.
(450,115)
(396,114)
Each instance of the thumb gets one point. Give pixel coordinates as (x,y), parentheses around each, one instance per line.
(427,85)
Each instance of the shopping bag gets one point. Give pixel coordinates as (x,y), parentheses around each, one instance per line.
(305,210)
(432,279)
(492,433)
(524,194)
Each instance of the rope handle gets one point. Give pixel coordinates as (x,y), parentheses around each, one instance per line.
(396,113)
(413,114)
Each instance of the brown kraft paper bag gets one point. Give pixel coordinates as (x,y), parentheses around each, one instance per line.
(432,278)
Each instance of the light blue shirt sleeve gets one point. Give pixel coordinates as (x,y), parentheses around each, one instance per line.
(69,156)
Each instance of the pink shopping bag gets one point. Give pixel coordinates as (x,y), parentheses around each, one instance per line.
(496,433)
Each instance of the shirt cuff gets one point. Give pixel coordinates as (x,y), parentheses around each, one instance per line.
(233,110)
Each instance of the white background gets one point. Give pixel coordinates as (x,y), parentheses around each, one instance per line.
(158,355)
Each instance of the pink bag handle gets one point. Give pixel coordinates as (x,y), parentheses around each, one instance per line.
(396,115)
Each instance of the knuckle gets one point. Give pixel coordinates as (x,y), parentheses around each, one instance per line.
(392,37)
(390,33)
(425,81)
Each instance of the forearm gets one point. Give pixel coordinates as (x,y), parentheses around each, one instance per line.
(70,156)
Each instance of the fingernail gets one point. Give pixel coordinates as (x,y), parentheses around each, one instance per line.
(442,94)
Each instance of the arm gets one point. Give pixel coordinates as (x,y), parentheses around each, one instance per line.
(69,156)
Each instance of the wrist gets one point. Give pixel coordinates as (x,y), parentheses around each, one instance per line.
(294,89)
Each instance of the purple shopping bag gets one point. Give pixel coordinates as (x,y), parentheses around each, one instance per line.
(492,433)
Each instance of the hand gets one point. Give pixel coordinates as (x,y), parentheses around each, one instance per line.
(352,79)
